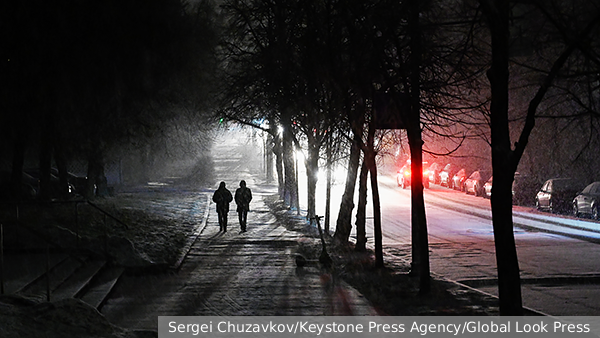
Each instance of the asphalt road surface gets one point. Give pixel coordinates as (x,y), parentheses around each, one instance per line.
(560,273)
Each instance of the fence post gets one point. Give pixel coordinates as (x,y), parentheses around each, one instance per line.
(77,225)
(47,272)
(1,259)
(17,227)
(105,238)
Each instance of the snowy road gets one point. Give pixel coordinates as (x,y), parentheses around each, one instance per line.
(560,274)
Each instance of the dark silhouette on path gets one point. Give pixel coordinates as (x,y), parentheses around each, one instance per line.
(243,196)
(222,197)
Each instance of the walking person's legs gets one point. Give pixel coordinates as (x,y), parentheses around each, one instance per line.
(244,218)
(242,214)
(222,220)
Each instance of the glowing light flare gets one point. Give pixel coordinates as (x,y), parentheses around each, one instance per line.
(406,172)
(338,175)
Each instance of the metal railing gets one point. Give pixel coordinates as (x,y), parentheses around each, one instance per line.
(19,224)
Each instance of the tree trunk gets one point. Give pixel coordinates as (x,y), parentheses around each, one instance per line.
(278,151)
(290,183)
(289,172)
(343,224)
(420,238)
(419,220)
(18,160)
(97,183)
(143,173)
(329,166)
(269,158)
(61,165)
(372,165)
(312,171)
(361,209)
(509,282)
(504,159)
(45,163)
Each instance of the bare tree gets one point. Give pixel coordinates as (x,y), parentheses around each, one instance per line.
(505,158)
(92,88)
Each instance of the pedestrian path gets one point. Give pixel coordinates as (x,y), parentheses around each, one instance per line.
(236,274)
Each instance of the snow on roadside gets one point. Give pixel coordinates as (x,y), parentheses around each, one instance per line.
(66,318)
(158,224)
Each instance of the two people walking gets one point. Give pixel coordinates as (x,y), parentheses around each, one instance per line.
(222,197)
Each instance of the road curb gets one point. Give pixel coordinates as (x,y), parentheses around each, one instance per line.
(526,310)
(520,224)
(192,238)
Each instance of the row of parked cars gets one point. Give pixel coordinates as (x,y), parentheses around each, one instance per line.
(30,182)
(448,176)
(560,195)
(564,195)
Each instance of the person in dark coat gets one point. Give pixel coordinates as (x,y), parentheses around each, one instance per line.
(243,196)
(222,197)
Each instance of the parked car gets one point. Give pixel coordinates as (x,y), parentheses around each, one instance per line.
(27,190)
(434,173)
(556,195)
(403,176)
(77,183)
(474,184)
(56,190)
(446,175)
(588,201)
(519,189)
(487,188)
(458,180)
